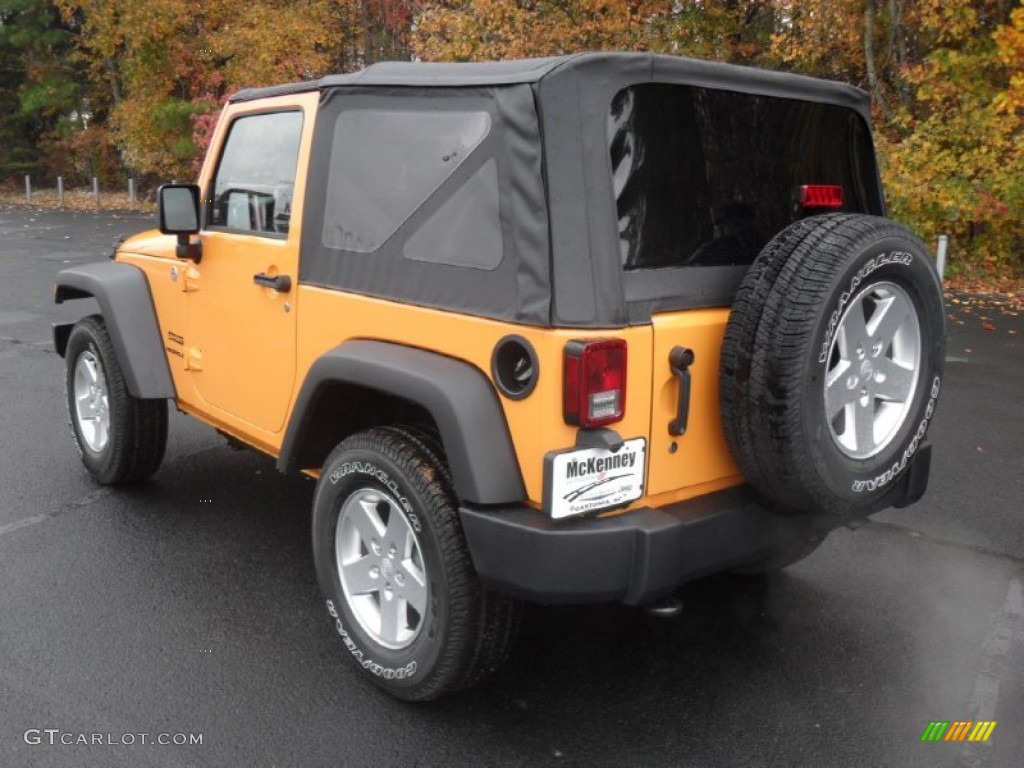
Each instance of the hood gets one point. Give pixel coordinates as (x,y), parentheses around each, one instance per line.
(150,243)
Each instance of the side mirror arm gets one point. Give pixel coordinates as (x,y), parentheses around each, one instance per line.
(186,249)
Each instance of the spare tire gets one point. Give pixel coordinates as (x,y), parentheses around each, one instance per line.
(832,364)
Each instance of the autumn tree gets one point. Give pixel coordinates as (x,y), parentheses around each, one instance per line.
(386,26)
(954,155)
(864,42)
(93,87)
(153,66)
(465,30)
(945,79)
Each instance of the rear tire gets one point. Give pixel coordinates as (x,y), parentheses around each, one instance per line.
(395,569)
(120,438)
(832,364)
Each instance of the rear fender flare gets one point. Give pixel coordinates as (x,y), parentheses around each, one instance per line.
(458,396)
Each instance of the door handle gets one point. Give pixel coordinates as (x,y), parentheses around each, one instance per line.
(280,283)
(679,360)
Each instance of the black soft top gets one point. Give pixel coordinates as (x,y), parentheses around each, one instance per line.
(598,67)
(556,226)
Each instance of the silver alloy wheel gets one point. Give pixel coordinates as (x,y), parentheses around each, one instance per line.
(873,369)
(92,402)
(381,566)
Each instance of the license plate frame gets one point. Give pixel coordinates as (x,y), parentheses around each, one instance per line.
(586,481)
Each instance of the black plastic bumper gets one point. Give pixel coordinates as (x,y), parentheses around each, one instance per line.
(643,555)
(634,558)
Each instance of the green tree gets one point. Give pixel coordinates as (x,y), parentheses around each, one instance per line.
(38,89)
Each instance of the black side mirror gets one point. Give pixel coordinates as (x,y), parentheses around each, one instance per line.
(178,207)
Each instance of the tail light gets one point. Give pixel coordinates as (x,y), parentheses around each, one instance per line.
(595,382)
(821,196)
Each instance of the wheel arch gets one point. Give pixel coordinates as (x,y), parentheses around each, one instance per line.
(130,316)
(347,387)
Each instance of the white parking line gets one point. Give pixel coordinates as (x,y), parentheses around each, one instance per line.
(1006,629)
(25,523)
(58,510)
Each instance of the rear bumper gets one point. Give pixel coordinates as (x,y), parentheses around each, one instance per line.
(643,555)
(633,558)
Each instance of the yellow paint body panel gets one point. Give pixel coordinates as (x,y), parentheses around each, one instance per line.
(701,455)
(153,253)
(330,317)
(242,336)
(235,367)
(239,352)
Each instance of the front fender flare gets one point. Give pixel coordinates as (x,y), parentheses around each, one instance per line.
(459,397)
(127,308)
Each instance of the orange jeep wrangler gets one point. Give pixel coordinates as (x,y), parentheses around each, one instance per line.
(565,330)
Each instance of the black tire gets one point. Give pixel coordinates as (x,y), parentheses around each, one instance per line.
(808,414)
(130,446)
(394,477)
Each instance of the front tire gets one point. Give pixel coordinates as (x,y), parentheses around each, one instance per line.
(393,565)
(120,438)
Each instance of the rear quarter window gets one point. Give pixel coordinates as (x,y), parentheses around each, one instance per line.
(384,166)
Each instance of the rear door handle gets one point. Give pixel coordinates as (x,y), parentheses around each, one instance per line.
(679,360)
(280,283)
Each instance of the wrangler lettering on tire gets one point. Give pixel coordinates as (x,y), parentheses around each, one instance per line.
(832,363)
(392,561)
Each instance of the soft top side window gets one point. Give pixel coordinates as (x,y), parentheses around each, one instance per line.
(255,178)
(385,163)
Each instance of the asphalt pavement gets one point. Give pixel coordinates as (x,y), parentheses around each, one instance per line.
(188,607)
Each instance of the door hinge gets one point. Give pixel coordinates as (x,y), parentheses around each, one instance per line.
(190,280)
(194,359)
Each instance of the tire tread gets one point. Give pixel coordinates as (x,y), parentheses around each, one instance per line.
(482,625)
(768,341)
(138,429)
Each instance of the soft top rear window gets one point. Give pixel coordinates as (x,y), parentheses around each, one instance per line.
(706,177)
